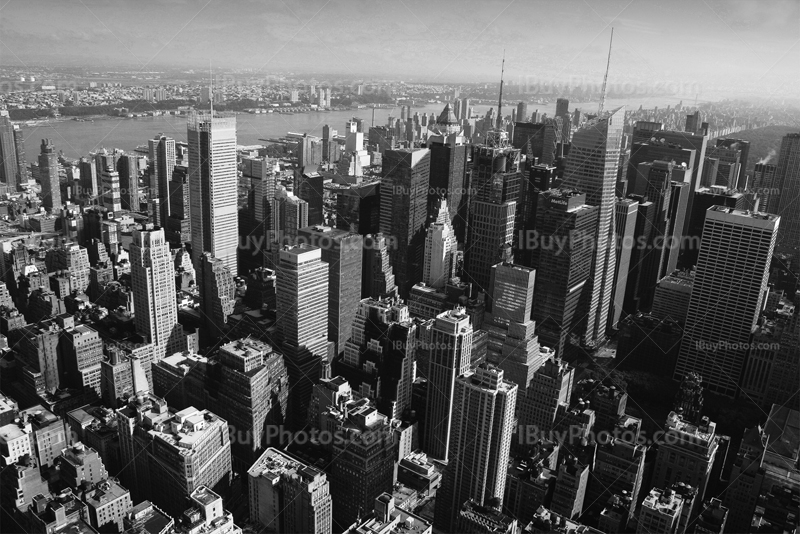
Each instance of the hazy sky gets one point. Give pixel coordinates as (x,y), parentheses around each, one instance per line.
(700,46)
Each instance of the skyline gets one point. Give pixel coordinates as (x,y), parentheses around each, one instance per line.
(445,41)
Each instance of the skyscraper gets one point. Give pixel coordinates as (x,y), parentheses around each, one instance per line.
(562,255)
(729,287)
(213,188)
(377,276)
(440,249)
(289,496)
(513,345)
(302,321)
(217,294)
(482,424)
(8,153)
(449,343)
(128,170)
(404,197)
(788,180)
(764,183)
(592,167)
(448,175)
(162,163)
(343,252)
(48,176)
(153,282)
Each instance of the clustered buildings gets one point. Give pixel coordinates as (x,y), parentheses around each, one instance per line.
(376,336)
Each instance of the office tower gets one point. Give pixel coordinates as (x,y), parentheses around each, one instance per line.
(128,170)
(365,458)
(522,112)
(672,296)
(448,175)
(693,122)
(309,152)
(787,177)
(569,492)
(289,215)
(529,138)
(513,345)
(253,393)
(592,167)
(702,200)
(48,176)
(676,221)
(162,162)
(726,303)
(618,470)
(688,455)
(377,276)
(626,214)
(289,496)
(772,363)
(311,189)
(153,283)
(213,188)
(343,252)
(23,173)
(494,198)
(90,186)
(562,107)
(9,168)
(764,182)
(726,168)
(168,455)
(644,234)
(47,432)
(404,196)
(20,482)
(743,148)
(80,354)
(529,481)
(379,357)
(302,292)
(112,198)
(449,345)
(661,512)
(440,249)
(654,150)
(550,388)
(482,424)
(217,296)
(562,253)
(328,145)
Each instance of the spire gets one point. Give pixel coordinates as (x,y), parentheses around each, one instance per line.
(500,100)
(605,78)
(210,89)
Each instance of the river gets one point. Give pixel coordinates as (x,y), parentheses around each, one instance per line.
(77,138)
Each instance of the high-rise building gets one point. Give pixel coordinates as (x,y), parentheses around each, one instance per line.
(513,345)
(726,302)
(9,168)
(109,184)
(562,253)
(687,453)
(482,424)
(48,176)
(377,275)
(168,455)
(693,122)
(592,167)
(128,169)
(661,512)
(213,188)
(343,252)
(448,175)
(302,311)
(310,187)
(765,184)
(23,173)
(162,162)
(217,296)
(743,149)
(379,356)
(153,282)
(550,388)
(404,201)
(787,177)
(440,249)
(449,344)
(288,496)
(289,215)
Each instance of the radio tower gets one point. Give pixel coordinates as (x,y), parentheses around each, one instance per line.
(605,78)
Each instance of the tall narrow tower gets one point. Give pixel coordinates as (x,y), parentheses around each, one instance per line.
(787,177)
(591,167)
(153,281)
(48,175)
(162,163)
(213,188)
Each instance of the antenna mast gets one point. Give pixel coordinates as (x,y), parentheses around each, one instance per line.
(500,100)
(210,89)
(605,78)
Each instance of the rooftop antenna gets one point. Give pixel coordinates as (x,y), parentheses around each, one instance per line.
(210,89)
(605,78)
(500,101)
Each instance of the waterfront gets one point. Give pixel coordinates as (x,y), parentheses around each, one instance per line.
(78,138)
